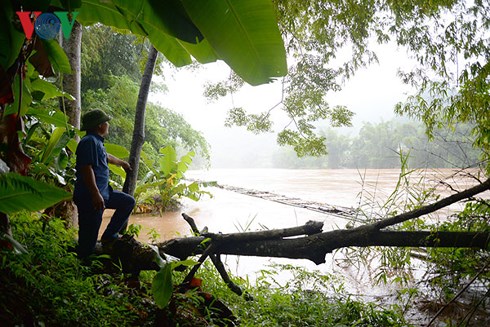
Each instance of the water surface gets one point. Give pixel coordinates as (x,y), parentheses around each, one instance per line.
(230,212)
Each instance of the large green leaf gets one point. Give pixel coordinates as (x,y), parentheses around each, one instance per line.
(71,4)
(167,16)
(57,118)
(118,171)
(184,163)
(169,47)
(105,12)
(244,34)
(162,286)
(47,90)
(57,142)
(140,18)
(116,150)
(57,56)
(168,160)
(10,38)
(25,193)
(20,104)
(202,51)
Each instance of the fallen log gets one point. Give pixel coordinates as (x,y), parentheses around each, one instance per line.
(135,256)
(316,247)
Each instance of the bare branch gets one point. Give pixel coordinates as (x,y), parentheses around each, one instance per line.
(432,207)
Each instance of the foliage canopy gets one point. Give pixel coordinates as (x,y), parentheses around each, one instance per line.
(328,41)
(244,34)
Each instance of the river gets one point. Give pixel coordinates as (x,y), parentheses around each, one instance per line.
(229,211)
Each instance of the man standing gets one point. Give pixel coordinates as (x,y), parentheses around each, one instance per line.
(92,192)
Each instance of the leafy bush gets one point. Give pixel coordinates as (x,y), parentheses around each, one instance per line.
(164,184)
(451,268)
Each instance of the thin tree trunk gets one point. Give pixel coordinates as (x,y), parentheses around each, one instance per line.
(71,83)
(139,123)
(72,108)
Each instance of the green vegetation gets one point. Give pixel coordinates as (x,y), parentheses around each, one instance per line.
(458,275)
(48,285)
(43,283)
(164,184)
(380,145)
(329,41)
(32,67)
(451,269)
(307,298)
(113,87)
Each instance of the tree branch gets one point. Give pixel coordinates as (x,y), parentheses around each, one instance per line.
(310,228)
(432,207)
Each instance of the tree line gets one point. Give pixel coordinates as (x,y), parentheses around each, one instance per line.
(386,145)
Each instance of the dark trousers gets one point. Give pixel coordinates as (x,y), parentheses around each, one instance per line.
(89,220)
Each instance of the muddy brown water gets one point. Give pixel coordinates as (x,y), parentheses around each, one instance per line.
(229,211)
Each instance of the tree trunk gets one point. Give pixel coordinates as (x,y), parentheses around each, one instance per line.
(139,123)
(72,108)
(315,247)
(71,83)
(274,243)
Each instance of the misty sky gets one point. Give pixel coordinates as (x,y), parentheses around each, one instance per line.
(371,94)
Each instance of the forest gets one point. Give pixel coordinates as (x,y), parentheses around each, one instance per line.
(379,146)
(61,58)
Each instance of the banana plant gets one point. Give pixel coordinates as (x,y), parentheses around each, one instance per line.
(244,34)
(166,178)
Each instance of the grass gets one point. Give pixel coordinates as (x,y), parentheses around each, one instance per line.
(307,299)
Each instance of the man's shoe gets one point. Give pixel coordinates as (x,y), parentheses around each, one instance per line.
(108,244)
